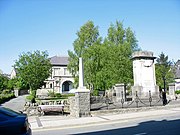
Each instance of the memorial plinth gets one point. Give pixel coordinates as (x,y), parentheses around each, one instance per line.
(144,75)
(82,95)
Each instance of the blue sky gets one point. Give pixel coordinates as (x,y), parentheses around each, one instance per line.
(28,25)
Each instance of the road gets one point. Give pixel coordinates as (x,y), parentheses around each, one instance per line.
(16,104)
(167,124)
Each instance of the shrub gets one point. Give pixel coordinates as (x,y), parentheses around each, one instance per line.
(51,93)
(95,93)
(6,92)
(67,95)
(177,91)
(58,95)
(4,98)
(30,97)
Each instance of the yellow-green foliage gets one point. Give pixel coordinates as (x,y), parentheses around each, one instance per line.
(177,91)
(6,97)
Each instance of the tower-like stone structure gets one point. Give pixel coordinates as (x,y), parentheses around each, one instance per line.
(144,75)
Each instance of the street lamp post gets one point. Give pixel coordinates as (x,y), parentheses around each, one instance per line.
(164,92)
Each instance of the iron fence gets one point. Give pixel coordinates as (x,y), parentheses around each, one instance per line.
(104,102)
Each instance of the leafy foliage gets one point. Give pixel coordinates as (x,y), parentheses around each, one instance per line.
(3,82)
(177,91)
(33,68)
(6,97)
(106,62)
(164,71)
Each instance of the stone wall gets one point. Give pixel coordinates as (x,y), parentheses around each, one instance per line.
(72,106)
(80,104)
(82,101)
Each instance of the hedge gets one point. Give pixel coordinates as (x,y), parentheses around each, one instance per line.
(6,97)
(177,91)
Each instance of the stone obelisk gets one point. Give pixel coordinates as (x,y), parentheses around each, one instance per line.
(82,95)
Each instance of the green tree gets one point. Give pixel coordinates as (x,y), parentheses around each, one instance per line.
(164,72)
(3,82)
(105,63)
(11,84)
(121,43)
(88,36)
(33,68)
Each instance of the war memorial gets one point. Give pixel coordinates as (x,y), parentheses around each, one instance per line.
(144,92)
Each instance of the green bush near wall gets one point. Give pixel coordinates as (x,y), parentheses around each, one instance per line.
(177,92)
(6,97)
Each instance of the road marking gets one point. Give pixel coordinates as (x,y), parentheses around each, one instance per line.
(39,122)
(103,118)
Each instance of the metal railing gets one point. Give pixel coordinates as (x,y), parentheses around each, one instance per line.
(107,103)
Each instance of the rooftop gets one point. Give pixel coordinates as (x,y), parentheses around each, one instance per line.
(58,60)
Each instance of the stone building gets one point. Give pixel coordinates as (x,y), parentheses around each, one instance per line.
(177,75)
(61,81)
(13,73)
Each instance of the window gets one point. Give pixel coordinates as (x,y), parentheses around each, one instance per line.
(65,71)
(51,85)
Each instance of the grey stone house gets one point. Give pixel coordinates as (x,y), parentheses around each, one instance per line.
(61,81)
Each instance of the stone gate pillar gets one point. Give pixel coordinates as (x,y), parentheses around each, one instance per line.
(120,92)
(172,91)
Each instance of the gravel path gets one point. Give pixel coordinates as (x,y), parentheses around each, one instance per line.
(16,104)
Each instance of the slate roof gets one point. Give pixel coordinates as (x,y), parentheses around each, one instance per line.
(59,60)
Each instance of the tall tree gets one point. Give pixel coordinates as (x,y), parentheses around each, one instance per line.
(122,43)
(164,72)
(105,63)
(33,68)
(87,37)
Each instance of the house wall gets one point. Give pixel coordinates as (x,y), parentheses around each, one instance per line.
(177,84)
(59,75)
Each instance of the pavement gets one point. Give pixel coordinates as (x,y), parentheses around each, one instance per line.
(48,122)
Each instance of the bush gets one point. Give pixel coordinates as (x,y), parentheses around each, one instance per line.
(51,93)
(6,97)
(5,92)
(58,95)
(177,91)
(67,95)
(95,93)
(30,97)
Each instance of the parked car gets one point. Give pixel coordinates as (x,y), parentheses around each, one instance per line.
(13,123)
